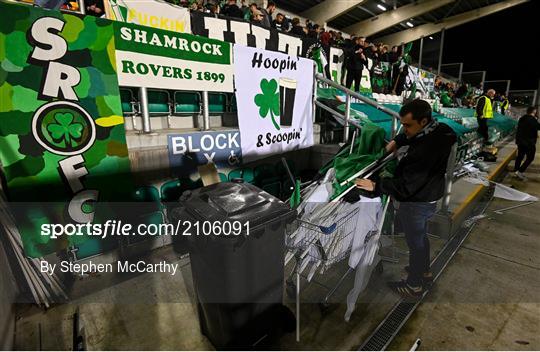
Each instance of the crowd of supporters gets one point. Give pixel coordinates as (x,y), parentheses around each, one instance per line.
(356,49)
(463,95)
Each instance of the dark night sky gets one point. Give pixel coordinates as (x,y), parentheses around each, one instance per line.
(506,44)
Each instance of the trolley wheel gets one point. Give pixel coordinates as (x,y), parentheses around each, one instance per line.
(290,290)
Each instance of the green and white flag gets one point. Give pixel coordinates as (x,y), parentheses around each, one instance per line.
(274,98)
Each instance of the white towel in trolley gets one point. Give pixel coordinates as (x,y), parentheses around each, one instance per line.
(321,251)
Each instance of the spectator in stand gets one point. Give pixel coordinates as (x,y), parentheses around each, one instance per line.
(526,138)
(338,40)
(461,94)
(267,14)
(372,53)
(309,25)
(314,32)
(232,10)
(213,9)
(297,29)
(281,23)
(504,104)
(257,16)
(95,8)
(326,37)
(383,54)
(484,111)
(355,61)
(361,41)
(394,55)
(248,14)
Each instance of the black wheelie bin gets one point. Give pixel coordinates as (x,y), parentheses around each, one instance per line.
(238,277)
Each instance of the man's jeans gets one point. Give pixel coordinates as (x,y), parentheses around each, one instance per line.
(413,218)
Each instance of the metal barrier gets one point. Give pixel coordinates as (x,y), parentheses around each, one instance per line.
(346,115)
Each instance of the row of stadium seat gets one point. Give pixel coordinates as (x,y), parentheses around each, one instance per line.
(387,98)
(266,176)
(182,102)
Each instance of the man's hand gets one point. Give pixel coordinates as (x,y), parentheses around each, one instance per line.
(364,183)
(391,147)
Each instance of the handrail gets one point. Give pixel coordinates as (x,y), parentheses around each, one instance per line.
(349,93)
(338,115)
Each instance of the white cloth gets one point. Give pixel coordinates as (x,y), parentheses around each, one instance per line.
(505,192)
(501,191)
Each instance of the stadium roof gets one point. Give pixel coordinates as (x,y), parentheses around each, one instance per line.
(373,8)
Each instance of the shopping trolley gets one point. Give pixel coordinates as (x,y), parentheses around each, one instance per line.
(321,244)
(325,237)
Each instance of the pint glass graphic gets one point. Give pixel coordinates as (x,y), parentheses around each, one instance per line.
(287,93)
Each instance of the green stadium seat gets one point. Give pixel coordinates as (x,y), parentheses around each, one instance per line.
(147,194)
(244,173)
(158,102)
(223,177)
(187,103)
(128,101)
(171,191)
(187,184)
(217,103)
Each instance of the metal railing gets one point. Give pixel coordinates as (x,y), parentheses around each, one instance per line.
(347,114)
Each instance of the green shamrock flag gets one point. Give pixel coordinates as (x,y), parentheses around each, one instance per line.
(65,130)
(268,100)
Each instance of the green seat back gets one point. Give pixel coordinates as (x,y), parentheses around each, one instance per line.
(187,103)
(158,101)
(147,194)
(223,177)
(171,191)
(244,173)
(187,184)
(126,97)
(217,103)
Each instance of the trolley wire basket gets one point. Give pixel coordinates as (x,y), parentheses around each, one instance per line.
(322,243)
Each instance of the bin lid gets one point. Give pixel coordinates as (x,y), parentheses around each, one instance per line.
(241,202)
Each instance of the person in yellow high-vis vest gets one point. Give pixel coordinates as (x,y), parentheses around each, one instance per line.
(504,104)
(484,111)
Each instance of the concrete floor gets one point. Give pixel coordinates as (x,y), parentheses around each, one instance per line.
(486,299)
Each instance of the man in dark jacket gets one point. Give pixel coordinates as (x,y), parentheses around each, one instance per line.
(267,14)
(297,29)
(281,23)
(355,61)
(526,137)
(418,182)
(232,10)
